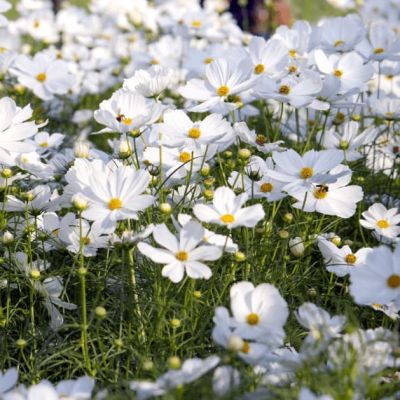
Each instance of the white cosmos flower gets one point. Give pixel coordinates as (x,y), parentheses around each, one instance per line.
(43,74)
(384,42)
(336,198)
(151,82)
(265,187)
(321,325)
(78,389)
(223,333)
(78,235)
(227,210)
(126,111)
(15,127)
(296,39)
(8,380)
(40,198)
(268,57)
(299,91)
(347,139)
(242,130)
(349,68)
(191,370)
(223,81)
(259,313)
(301,172)
(183,254)
(341,261)
(385,222)
(379,280)
(178,129)
(45,142)
(114,193)
(341,33)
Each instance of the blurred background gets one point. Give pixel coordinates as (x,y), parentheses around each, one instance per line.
(257,16)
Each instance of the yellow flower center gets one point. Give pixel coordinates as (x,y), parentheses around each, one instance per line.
(306,172)
(36,24)
(350,258)
(339,43)
(338,73)
(44,144)
(115,203)
(344,144)
(182,255)
(321,192)
(379,50)
(222,91)
(56,232)
(284,89)
(261,140)
(227,218)
(266,187)
(292,53)
(154,62)
(41,77)
(208,60)
(259,69)
(246,347)
(393,281)
(85,241)
(185,157)
(127,121)
(383,224)
(196,23)
(194,133)
(2,49)
(293,69)
(253,319)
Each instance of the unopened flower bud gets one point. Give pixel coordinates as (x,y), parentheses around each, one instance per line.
(175,323)
(82,271)
(100,312)
(240,256)
(148,365)
(288,217)
(79,202)
(296,246)
(165,208)
(35,274)
(21,343)
(283,234)
(209,182)
(125,149)
(228,154)
(174,362)
(312,292)
(6,173)
(81,149)
(28,196)
(205,170)
(208,194)
(244,154)
(135,134)
(118,343)
(235,343)
(348,242)
(197,294)
(336,240)
(8,238)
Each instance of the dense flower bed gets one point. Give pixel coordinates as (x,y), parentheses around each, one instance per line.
(190,211)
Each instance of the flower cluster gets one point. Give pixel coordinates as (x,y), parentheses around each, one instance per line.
(158,163)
